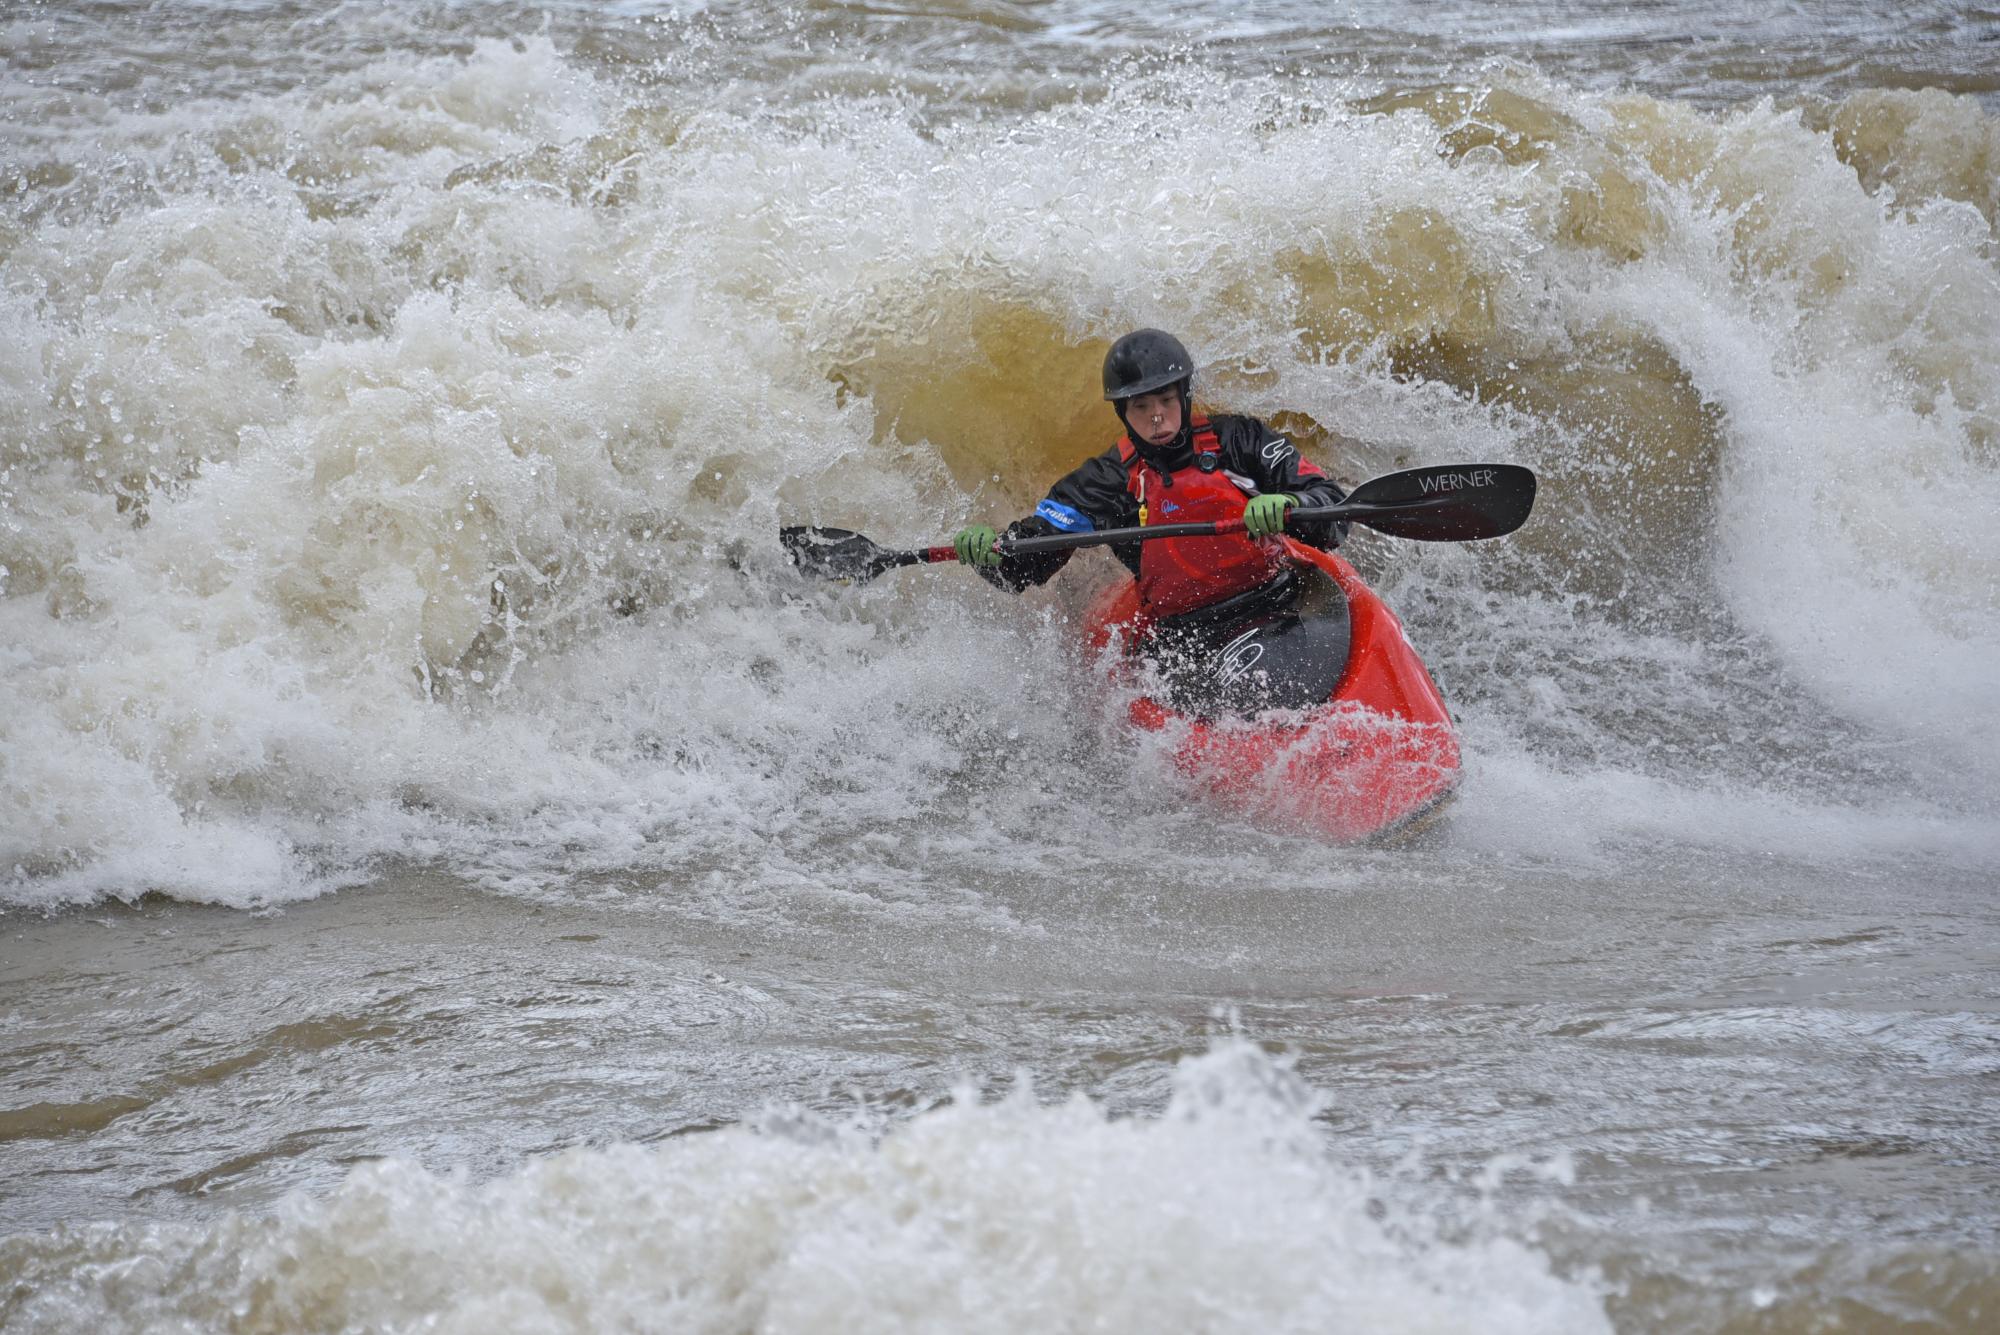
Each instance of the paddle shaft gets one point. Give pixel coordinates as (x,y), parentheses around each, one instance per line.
(1059,542)
(1064,542)
(1448,503)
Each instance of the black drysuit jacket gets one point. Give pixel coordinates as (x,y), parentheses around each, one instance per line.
(1096,495)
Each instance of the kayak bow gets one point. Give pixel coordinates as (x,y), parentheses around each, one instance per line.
(1377,753)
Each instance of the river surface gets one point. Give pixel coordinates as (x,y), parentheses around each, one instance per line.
(455,875)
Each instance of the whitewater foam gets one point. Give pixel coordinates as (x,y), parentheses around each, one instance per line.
(1225,1212)
(391,467)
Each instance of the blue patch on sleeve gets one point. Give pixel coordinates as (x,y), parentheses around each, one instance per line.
(1064,518)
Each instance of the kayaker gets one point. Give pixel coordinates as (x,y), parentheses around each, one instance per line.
(1172,467)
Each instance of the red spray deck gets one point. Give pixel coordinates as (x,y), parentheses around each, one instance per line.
(1378,755)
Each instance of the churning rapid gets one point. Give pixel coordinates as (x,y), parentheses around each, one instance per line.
(397,410)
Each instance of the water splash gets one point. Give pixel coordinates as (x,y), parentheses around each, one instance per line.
(393,463)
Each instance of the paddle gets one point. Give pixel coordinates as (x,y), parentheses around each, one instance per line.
(1447,503)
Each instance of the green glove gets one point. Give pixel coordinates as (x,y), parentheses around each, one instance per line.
(1265,515)
(975,545)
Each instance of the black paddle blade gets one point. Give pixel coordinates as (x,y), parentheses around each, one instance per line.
(836,553)
(1449,503)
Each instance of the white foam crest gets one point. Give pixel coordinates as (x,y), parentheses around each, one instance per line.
(1856,517)
(1226,1213)
(1083,212)
(1515,804)
(1844,341)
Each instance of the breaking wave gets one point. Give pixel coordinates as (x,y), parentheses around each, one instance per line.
(1223,1213)
(391,467)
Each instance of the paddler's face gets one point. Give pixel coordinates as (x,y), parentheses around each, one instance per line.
(1155,418)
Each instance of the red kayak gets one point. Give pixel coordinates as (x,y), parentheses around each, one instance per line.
(1314,714)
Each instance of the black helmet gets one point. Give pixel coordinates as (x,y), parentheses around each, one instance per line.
(1143,361)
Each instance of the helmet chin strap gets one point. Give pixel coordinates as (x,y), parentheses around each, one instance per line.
(1183,438)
